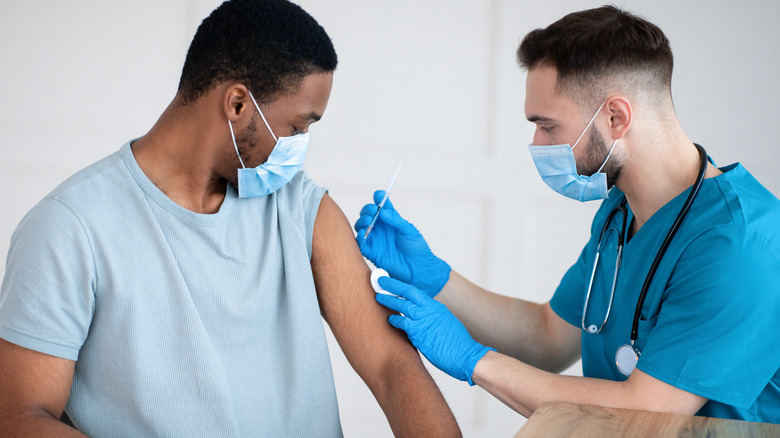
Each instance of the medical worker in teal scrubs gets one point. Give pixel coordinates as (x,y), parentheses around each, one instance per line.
(674,302)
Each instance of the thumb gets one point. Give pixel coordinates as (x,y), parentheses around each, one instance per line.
(378,196)
(392,218)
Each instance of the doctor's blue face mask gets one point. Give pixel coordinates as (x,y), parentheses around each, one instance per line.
(558,169)
(284,162)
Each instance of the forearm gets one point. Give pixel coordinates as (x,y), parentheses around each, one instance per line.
(36,424)
(412,402)
(524,388)
(514,327)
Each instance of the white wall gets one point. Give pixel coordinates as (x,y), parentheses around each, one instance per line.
(433,81)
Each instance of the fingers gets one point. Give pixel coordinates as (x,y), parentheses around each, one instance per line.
(362,222)
(378,196)
(365,249)
(399,322)
(387,214)
(369,210)
(403,290)
(394,303)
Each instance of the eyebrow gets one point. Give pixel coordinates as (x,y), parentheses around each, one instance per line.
(312,116)
(534,119)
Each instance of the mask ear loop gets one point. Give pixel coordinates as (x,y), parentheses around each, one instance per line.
(586,127)
(261,115)
(233,136)
(608,155)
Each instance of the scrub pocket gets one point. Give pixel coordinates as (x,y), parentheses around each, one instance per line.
(643,331)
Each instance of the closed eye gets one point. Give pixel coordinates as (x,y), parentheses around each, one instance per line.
(540,122)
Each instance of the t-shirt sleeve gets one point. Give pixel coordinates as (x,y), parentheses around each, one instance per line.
(714,334)
(47,298)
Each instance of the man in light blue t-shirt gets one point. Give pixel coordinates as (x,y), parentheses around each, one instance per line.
(177,287)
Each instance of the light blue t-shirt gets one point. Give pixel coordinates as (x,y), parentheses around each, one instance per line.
(182,324)
(712,312)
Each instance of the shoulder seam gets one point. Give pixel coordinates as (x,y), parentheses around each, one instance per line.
(84,231)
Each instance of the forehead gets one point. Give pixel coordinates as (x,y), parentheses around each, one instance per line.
(542,98)
(311,96)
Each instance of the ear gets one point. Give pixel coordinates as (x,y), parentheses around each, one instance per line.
(621,115)
(235,102)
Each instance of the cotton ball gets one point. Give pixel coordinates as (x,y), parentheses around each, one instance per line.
(375,274)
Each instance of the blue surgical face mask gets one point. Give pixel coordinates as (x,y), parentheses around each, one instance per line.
(284,162)
(558,169)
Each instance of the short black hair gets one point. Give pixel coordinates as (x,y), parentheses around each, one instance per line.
(588,46)
(268,45)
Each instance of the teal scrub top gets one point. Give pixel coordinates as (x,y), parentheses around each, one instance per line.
(713,308)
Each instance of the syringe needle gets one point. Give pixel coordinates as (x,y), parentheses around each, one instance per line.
(384,199)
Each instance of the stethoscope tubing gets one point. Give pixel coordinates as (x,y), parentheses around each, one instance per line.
(669,236)
(620,209)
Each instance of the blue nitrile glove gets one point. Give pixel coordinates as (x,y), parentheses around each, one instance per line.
(396,246)
(433,329)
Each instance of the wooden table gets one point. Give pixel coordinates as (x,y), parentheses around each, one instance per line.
(568,420)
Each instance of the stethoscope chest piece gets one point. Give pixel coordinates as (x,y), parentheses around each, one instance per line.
(626,358)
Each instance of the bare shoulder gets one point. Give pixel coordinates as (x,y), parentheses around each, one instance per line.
(382,356)
(347,303)
(340,273)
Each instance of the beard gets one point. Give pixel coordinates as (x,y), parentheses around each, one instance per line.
(244,142)
(248,139)
(596,151)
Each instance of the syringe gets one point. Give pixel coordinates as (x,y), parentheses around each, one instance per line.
(384,199)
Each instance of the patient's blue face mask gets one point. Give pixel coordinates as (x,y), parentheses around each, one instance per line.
(284,162)
(558,169)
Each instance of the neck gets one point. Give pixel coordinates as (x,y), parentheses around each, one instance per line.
(658,170)
(178,156)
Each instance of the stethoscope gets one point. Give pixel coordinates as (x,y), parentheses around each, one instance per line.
(627,355)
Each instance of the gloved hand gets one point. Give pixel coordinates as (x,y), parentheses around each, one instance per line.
(433,329)
(396,246)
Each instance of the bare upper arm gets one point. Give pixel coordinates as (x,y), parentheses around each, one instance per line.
(650,394)
(346,298)
(563,337)
(32,383)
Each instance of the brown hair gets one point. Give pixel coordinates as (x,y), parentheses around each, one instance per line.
(593,49)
